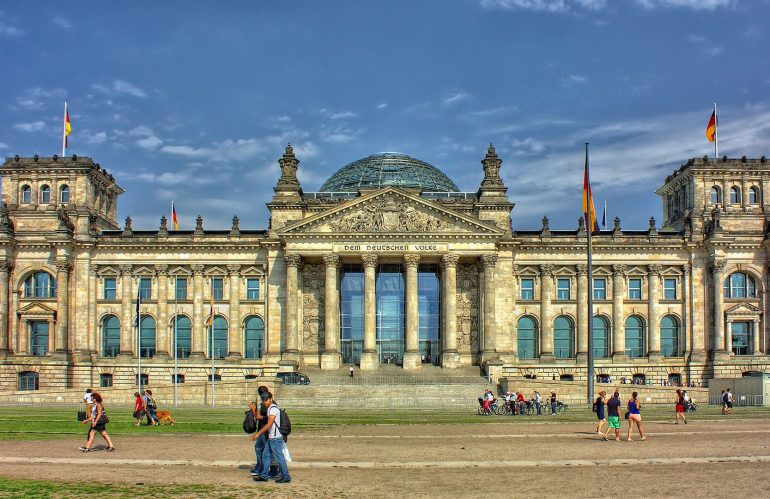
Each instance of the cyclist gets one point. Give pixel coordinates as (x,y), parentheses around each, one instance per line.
(521,404)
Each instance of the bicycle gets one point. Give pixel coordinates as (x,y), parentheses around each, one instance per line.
(561,408)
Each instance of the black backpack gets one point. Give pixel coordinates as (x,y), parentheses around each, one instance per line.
(249,420)
(285,426)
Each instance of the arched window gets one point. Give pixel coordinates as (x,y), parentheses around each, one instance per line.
(40,285)
(601,337)
(740,285)
(29,380)
(753,195)
(253,336)
(735,195)
(183,336)
(669,336)
(26,194)
(45,194)
(110,336)
(64,194)
(716,195)
(147,332)
(563,338)
(527,328)
(635,336)
(220,337)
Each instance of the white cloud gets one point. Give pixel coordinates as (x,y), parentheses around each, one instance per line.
(577,79)
(149,143)
(8,29)
(36,126)
(690,4)
(3,145)
(37,97)
(545,5)
(118,87)
(454,98)
(93,138)
(382,106)
(62,22)
(342,115)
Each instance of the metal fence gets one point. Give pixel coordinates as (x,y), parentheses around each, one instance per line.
(740,400)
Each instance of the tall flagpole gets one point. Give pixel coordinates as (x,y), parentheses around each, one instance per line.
(64,131)
(176,345)
(589,230)
(211,335)
(138,338)
(716,133)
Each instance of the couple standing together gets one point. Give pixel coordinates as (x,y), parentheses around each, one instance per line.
(269,443)
(612,419)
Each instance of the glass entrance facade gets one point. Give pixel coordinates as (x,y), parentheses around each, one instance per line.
(429,307)
(390,314)
(352,314)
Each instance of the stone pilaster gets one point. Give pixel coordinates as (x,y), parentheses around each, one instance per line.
(198,340)
(330,358)
(5,335)
(412,353)
(653,325)
(93,337)
(720,333)
(235,326)
(618,325)
(293,264)
(162,339)
(127,340)
(63,268)
(489,262)
(583,321)
(546,321)
(369,358)
(756,344)
(450,357)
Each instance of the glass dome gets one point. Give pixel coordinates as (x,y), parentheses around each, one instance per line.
(388,169)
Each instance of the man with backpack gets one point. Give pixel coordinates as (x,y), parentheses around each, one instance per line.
(261,450)
(275,439)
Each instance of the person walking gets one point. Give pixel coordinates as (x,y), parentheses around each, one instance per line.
(538,401)
(728,401)
(151,406)
(553,403)
(723,402)
(681,403)
(88,399)
(261,451)
(635,416)
(138,409)
(613,417)
(600,402)
(274,441)
(351,371)
(98,420)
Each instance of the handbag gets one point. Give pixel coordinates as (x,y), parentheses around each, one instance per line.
(625,416)
(103,419)
(82,414)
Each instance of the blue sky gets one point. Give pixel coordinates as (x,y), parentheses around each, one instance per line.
(195,101)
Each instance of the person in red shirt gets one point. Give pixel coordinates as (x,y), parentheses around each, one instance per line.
(138,409)
(522,403)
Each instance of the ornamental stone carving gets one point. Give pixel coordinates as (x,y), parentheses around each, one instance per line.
(161,269)
(546,270)
(293,260)
(313,278)
(331,260)
(449,260)
(63,265)
(619,270)
(233,269)
(389,214)
(582,268)
(468,308)
(126,269)
(197,268)
(411,260)
(369,260)
(718,265)
(655,269)
(489,260)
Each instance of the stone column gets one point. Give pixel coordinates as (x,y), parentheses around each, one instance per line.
(653,326)
(686,344)
(412,354)
(618,326)
(235,327)
(744,194)
(63,267)
(546,321)
(725,195)
(490,326)
(51,335)
(757,345)
(127,341)
(293,264)
(162,339)
(369,358)
(198,340)
(584,322)
(330,358)
(5,332)
(93,326)
(717,269)
(450,357)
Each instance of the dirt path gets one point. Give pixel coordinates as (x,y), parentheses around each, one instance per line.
(432,460)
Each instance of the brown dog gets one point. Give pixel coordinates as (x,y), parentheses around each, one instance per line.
(164,416)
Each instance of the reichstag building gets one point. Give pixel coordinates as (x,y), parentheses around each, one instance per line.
(388,263)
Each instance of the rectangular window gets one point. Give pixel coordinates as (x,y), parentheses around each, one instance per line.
(105,380)
(109,288)
(527,289)
(252,289)
(217,286)
(600,289)
(669,289)
(635,289)
(562,289)
(181,288)
(145,288)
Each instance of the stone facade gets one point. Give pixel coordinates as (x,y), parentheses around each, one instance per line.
(683,302)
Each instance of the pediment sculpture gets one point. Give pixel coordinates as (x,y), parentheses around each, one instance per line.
(385,214)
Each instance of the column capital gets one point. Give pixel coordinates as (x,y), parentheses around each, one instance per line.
(717,265)
(126,269)
(582,269)
(233,268)
(619,270)
(489,260)
(369,260)
(63,265)
(197,268)
(449,260)
(93,270)
(411,260)
(331,259)
(6,265)
(292,260)
(655,269)
(686,268)
(546,269)
(515,269)
(161,269)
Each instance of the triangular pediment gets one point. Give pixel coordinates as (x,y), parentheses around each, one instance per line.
(743,309)
(390,211)
(36,309)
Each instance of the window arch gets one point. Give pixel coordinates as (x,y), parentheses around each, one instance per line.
(735,195)
(45,194)
(219,329)
(635,336)
(527,342)
(563,337)
(110,336)
(29,380)
(64,194)
(40,285)
(147,332)
(740,285)
(669,336)
(26,194)
(601,328)
(183,336)
(753,195)
(716,195)
(253,336)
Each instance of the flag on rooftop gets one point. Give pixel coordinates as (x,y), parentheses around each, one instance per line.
(711,129)
(173,216)
(588,201)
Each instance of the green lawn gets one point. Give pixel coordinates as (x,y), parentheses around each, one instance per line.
(40,422)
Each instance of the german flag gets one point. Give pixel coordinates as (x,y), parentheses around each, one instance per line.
(173,216)
(711,129)
(67,125)
(588,201)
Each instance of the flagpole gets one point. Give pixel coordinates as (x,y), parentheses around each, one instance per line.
(176,346)
(64,131)
(589,230)
(138,339)
(716,133)
(211,335)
